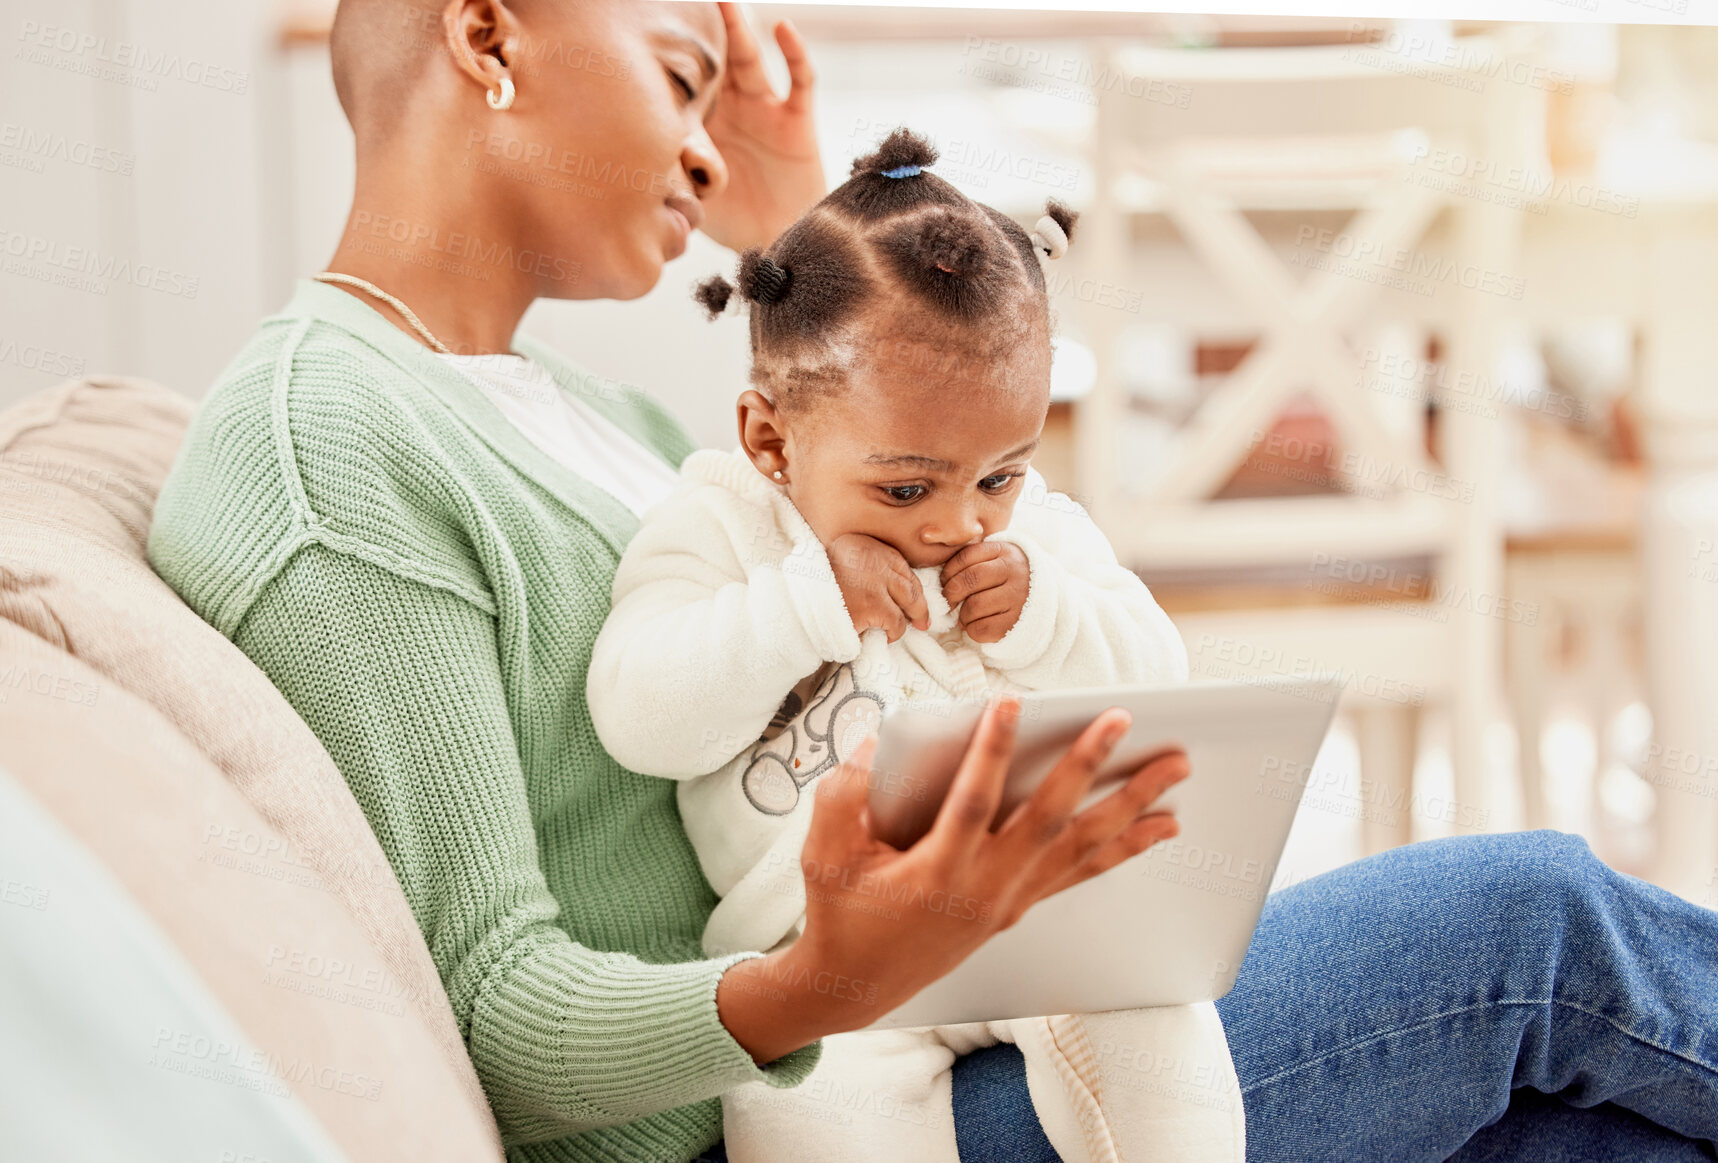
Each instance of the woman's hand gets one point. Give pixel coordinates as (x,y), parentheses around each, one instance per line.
(881,924)
(769,143)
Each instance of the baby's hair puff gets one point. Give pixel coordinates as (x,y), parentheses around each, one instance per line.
(894,245)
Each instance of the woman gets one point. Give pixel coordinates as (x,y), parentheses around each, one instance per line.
(417,546)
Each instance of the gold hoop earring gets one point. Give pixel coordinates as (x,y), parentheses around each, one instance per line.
(504,101)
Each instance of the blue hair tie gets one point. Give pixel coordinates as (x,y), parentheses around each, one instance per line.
(908,171)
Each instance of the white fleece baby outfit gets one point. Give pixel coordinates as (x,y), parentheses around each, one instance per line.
(729,662)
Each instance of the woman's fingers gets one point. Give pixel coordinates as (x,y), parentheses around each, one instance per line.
(801,75)
(1117,827)
(1142,833)
(1050,810)
(745,62)
(837,814)
(1098,824)
(971,802)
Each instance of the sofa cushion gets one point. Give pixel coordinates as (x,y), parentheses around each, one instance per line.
(80,467)
(316,999)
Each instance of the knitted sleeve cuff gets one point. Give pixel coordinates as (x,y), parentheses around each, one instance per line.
(1030,636)
(606,1038)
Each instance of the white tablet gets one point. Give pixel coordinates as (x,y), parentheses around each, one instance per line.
(1169,926)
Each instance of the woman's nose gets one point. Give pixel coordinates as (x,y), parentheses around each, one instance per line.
(704,165)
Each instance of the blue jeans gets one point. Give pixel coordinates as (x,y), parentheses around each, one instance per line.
(1480,999)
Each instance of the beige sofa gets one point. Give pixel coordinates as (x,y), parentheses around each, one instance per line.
(175,762)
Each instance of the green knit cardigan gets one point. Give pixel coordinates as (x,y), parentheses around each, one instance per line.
(424,585)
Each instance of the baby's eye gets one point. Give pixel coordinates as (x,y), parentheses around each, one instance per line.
(999,482)
(904,494)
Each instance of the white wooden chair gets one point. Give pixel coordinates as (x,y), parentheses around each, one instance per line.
(1318,130)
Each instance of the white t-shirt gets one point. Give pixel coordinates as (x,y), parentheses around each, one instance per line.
(569,430)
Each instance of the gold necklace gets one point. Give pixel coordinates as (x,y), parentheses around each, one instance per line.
(406,312)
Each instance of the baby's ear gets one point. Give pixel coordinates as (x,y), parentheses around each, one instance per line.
(763,437)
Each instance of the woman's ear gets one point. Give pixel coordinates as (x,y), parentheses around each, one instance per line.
(763,436)
(481,35)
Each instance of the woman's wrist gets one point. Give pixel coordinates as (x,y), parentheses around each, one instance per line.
(776,1004)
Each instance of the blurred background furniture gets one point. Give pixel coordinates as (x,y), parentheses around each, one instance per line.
(1308,157)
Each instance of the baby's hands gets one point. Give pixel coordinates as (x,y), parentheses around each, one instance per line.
(989,582)
(878,585)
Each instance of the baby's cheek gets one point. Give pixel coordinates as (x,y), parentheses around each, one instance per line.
(1004,514)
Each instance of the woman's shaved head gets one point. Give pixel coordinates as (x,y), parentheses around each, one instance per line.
(380,51)
(598,168)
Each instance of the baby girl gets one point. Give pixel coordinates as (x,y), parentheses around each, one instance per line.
(879,537)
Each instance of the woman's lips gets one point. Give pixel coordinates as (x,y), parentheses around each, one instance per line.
(688,215)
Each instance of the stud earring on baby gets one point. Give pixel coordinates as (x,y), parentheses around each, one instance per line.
(777,474)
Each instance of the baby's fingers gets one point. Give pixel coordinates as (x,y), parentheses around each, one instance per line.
(909,595)
(986,604)
(964,572)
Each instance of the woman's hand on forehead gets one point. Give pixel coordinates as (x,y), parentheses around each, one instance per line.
(775,172)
